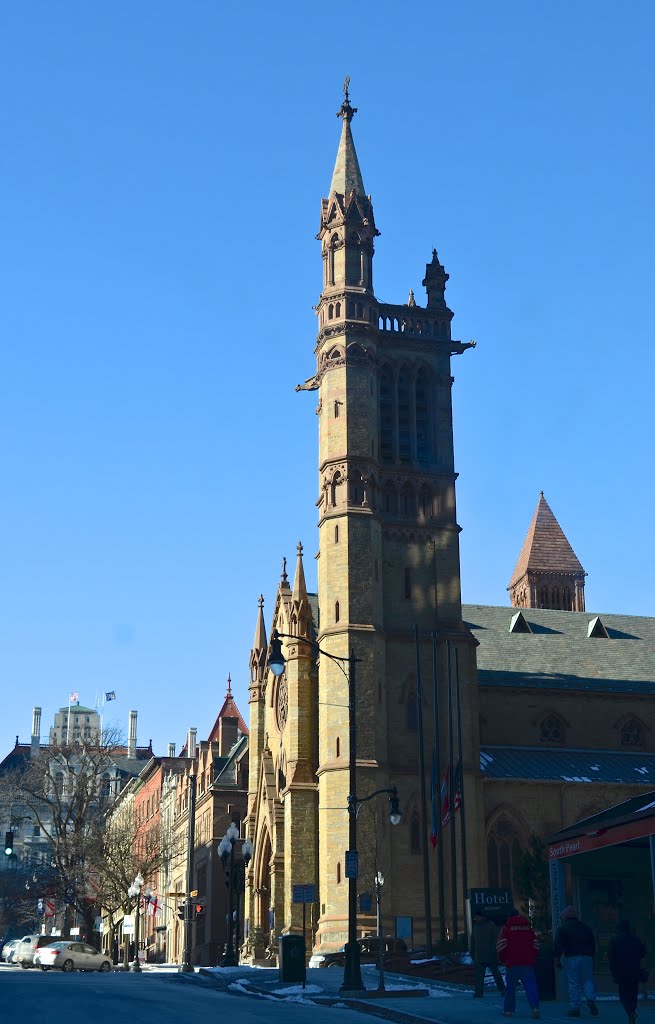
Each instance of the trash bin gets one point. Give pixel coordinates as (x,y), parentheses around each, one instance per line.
(291,958)
(544,970)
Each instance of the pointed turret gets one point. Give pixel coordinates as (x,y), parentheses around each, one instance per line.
(347,176)
(548,573)
(301,609)
(259,650)
(229,722)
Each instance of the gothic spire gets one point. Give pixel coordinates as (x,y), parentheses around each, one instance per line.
(260,643)
(347,176)
(299,585)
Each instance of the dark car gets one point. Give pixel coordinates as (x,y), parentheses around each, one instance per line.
(395,953)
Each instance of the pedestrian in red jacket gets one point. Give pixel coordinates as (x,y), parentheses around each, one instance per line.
(517,948)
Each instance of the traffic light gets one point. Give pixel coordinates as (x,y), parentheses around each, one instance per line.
(180,911)
(199,907)
(9,843)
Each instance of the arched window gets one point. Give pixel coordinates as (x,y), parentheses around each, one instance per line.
(551,729)
(330,312)
(386,417)
(415,833)
(411,713)
(503,854)
(422,419)
(356,490)
(404,412)
(426,503)
(632,733)
(337,310)
(336,481)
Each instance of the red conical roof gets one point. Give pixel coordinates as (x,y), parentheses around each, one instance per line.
(545,548)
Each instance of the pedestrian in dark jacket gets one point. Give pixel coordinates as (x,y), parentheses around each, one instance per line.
(624,955)
(517,948)
(574,940)
(483,950)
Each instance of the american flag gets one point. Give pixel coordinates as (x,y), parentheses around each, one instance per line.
(445,798)
(457,796)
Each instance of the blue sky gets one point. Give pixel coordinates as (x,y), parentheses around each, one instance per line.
(161,167)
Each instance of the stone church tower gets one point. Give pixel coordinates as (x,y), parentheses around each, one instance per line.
(548,573)
(388,564)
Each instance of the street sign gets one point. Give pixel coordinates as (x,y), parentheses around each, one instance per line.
(365,903)
(128,924)
(75,931)
(304,894)
(40,906)
(178,894)
(352,864)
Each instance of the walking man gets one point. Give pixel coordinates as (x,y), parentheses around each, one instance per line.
(517,948)
(483,950)
(574,940)
(624,955)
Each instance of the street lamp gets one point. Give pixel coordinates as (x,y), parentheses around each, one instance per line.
(225,850)
(185,966)
(379,882)
(134,893)
(352,974)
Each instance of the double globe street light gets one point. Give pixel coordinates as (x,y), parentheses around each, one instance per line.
(352,974)
(134,893)
(225,851)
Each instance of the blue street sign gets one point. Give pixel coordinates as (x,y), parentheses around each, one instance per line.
(40,906)
(365,903)
(352,864)
(304,894)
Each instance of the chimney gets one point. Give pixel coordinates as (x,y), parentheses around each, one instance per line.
(36,730)
(171,750)
(227,734)
(131,735)
(191,743)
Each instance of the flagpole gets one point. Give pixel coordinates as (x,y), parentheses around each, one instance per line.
(437,755)
(462,807)
(451,801)
(68,723)
(424,815)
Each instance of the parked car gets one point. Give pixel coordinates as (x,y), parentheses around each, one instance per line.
(28,946)
(67,955)
(395,953)
(9,950)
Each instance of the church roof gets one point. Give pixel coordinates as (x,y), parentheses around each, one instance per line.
(347,176)
(228,710)
(545,548)
(568,765)
(557,653)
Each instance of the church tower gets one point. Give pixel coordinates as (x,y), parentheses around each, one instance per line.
(388,541)
(548,573)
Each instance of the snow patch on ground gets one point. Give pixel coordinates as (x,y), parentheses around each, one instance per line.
(298,990)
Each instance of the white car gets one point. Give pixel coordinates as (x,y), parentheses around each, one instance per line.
(71,956)
(9,950)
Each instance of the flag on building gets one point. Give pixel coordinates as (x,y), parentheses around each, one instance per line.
(457,795)
(154,907)
(433,790)
(73,696)
(111,695)
(445,798)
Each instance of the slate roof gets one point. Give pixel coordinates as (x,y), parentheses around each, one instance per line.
(545,548)
(567,765)
(558,654)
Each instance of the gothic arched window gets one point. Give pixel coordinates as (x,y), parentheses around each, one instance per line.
(551,729)
(411,713)
(415,833)
(404,414)
(632,734)
(386,417)
(422,419)
(503,854)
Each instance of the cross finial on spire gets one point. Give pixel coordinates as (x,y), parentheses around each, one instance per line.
(347,112)
(260,603)
(299,548)
(229,685)
(284,570)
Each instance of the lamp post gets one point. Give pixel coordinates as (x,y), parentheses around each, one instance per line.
(185,966)
(134,892)
(225,851)
(379,882)
(352,974)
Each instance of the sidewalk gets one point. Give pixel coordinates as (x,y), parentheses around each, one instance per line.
(405,1001)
